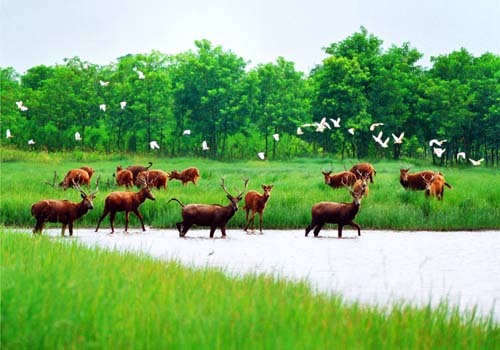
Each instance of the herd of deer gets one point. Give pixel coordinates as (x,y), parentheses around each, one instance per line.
(217,216)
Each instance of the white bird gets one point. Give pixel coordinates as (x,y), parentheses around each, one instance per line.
(19,104)
(77,136)
(322,125)
(9,135)
(439,151)
(378,138)
(204,146)
(398,139)
(307,125)
(104,83)
(476,162)
(385,144)
(299,131)
(374,125)
(461,155)
(23,108)
(436,142)
(154,145)
(336,122)
(186,132)
(261,155)
(276,137)
(31,142)
(123,104)
(140,74)
(351,131)
(102,107)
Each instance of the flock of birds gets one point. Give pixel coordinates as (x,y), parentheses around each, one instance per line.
(318,126)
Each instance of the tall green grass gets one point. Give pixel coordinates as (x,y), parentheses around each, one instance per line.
(60,295)
(472,204)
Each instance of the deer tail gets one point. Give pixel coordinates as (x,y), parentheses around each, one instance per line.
(447,185)
(178,201)
(149,166)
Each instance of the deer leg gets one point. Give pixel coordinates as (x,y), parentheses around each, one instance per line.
(212,231)
(179,226)
(310,227)
(70,226)
(112,220)
(136,212)
(63,229)
(353,224)
(318,228)
(340,230)
(260,221)
(127,216)
(250,222)
(185,229)
(223,230)
(39,225)
(100,219)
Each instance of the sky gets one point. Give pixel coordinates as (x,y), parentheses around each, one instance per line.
(35,32)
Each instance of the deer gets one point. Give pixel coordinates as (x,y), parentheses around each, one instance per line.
(341,214)
(338,179)
(127,202)
(63,211)
(187,175)
(78,176)
(213,215)
(256,203)
(417,181)
(435,186)
(156,178)
(363,168)
(124,177)
(362,183)
(136,169)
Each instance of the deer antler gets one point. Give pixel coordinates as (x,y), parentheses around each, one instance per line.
(77,186)
(224,186)
(244,189)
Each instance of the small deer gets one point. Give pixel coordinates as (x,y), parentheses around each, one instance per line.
(435,186)
(124,177)
(63,211)
(212,215)
(156,178)
(127,202)
(362,183)
(78,176)
(338,180)
(256,203)
(336,213)
(187,175)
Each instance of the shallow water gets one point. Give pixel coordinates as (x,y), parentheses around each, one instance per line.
(379,267)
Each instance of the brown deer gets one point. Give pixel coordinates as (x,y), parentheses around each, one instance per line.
(89,171)
(155,178)
(212,215)
(187,175)
(416,181)
(362,184)
(78,176)
(124,177)
(256,203)
(63,211)
(435,186)
(136,169)
(127,202)
(336,213)
(363,168)
(338,180)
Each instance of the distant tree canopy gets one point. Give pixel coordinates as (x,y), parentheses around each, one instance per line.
(238,110)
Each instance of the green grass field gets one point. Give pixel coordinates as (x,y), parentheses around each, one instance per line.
(472,204)
(57,294)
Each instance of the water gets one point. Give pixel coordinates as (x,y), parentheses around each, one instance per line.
(379,267)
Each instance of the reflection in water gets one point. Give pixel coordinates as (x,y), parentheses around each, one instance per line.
(378,267)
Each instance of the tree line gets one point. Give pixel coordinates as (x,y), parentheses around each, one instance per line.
(213,95)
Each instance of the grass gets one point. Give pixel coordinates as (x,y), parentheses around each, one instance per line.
(57,294)
(472,204)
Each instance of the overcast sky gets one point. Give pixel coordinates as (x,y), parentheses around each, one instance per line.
(35,32)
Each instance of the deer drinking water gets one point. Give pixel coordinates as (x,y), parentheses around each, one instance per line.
(212,215)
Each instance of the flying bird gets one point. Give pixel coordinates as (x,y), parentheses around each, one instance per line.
(461,155)
(204,146)
(102,107)
(276,137)
(23,108)
(378,139)
(104,83)
(322,125)
(307,125)
(336,122)
(123,104)
(186,132)
(8,134)
(476,162)
(436,142)
(154,145)
(140,74)
(351,131)
(398,139)
(299,131)
(374,125)
(19,104)
(439,151)
(261,155)
(31,142)
(77,136)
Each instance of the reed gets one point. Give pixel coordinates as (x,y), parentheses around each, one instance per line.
(58,294)
(471,205)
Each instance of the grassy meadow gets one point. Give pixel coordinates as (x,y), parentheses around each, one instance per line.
(58,294)
(472,204)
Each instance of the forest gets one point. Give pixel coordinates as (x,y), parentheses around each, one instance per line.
(172,104)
